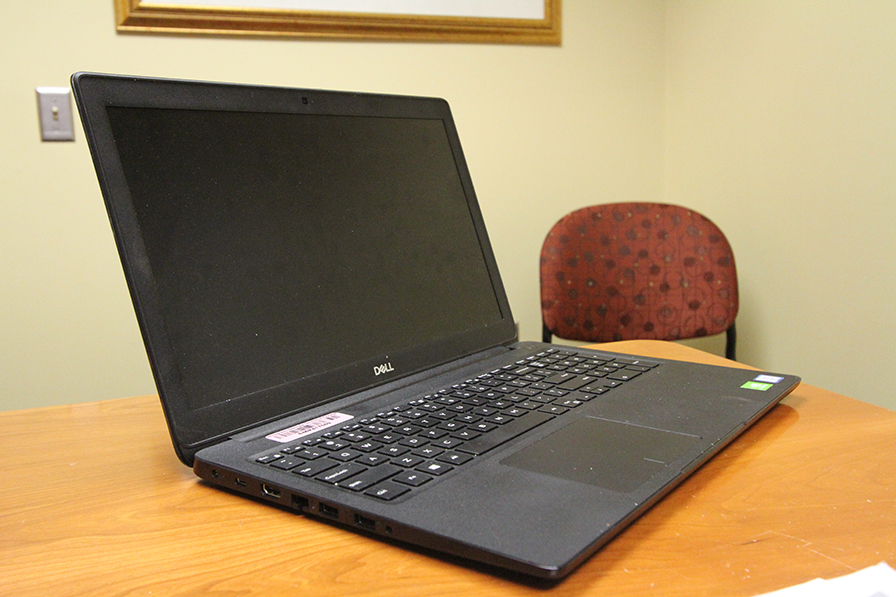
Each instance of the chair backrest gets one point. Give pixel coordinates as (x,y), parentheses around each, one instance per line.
(626,271)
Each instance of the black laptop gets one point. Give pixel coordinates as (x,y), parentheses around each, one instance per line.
(328,330)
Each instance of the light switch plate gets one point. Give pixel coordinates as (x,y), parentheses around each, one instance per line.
(54,108)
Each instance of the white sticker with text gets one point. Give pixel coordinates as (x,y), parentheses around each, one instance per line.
(308,427)
(768,378)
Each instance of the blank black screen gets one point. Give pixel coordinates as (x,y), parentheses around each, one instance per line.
(286,245)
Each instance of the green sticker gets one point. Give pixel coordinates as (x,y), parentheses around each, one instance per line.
(755,385)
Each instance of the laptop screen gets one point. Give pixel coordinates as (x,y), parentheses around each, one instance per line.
(287,247)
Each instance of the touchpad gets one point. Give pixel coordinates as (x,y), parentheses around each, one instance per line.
(609,454)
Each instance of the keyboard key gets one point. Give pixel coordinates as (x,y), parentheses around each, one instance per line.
(355,437)
(455,458)
(288,463)
(387,490)
(435,468)
(530,391)
(636,362)
(577,382)
(334,444)
(363,480)
(466,434)
(345,455)
(640,368)
(476,401)
(314,467)
(395,421)
(560,378)
(394,450)
(408,430)
(597,388)
(368,446)
(499,419)
(311,453)
(468,419)
(501,404)
(447,442)
(269,458)
(372,459)
(623,375)
(556,393)
(338,473)
(428,451)
(412,478)
(408,461)
(529,405)
(434,433)
(568,402)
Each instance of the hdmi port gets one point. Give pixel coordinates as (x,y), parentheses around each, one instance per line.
(271,492)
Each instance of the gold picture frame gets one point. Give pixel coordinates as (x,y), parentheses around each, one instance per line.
(441,21)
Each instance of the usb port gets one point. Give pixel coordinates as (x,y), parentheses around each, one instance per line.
(240,482)
(271,492)
(365,523)
(327,510)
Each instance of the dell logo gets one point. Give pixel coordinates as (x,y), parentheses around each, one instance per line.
(384,368)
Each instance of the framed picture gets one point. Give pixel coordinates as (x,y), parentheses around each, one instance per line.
(478,21)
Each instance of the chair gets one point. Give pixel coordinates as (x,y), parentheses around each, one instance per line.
(626,271)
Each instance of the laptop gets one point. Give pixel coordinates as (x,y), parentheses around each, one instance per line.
(328,330)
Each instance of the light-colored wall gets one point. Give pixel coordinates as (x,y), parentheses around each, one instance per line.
(781,123)
(773,118)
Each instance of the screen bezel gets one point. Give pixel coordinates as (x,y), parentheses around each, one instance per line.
(193,429)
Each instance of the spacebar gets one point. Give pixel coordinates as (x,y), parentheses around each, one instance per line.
(504,433)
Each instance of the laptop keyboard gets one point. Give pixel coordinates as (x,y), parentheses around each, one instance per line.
(390,454)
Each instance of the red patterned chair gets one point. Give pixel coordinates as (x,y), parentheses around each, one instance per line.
(626,271)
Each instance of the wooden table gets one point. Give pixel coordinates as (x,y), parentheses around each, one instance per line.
(94,502)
